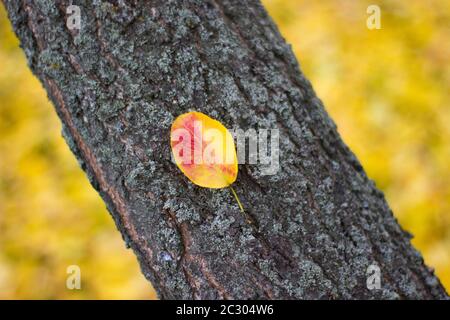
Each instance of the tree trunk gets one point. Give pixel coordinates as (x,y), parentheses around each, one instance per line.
(310,231)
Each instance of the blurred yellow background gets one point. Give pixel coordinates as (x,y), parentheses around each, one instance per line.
(386,89)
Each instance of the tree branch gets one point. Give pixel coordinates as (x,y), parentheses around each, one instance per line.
(118,83)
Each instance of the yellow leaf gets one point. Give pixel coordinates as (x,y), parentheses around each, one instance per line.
(204,150)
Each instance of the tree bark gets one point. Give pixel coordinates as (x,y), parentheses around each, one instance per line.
(309,231)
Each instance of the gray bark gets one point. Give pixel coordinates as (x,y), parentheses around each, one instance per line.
(310,231)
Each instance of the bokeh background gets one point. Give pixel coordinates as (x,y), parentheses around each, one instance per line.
(387,90)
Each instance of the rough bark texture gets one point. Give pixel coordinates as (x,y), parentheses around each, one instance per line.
(135,65)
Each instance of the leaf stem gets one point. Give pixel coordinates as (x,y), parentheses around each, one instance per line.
(237,199)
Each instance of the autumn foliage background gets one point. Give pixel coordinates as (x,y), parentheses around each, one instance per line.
(387,90)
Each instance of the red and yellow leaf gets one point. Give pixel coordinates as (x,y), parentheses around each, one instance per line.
(204,150)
